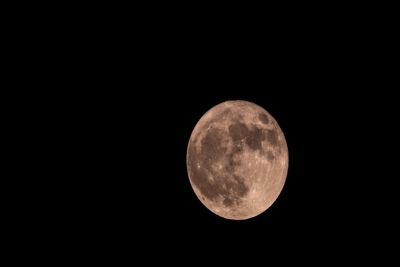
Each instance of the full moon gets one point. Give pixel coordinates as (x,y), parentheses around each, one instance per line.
(237,160)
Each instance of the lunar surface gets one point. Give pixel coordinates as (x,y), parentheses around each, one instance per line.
(237,160)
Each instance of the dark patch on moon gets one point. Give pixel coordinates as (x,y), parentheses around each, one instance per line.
(272,137)
(270,155)
(237,148)
(241,188)
(231,164)
(212,144)
(255,138)
(238,131)
(228,202)
(225,184)
(263,118)
(200,179)
(235,190)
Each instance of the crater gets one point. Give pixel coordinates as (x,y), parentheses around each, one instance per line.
(228,202)
(270,155)
(263,118)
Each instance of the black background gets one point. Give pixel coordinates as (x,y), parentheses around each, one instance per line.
(118,106)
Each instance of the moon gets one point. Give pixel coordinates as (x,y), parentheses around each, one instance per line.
(237,160)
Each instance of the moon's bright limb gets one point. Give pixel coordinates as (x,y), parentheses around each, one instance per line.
(237,160)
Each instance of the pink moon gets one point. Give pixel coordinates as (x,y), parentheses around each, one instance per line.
(237,160)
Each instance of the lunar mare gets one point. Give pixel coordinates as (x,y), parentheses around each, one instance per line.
(237,160)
